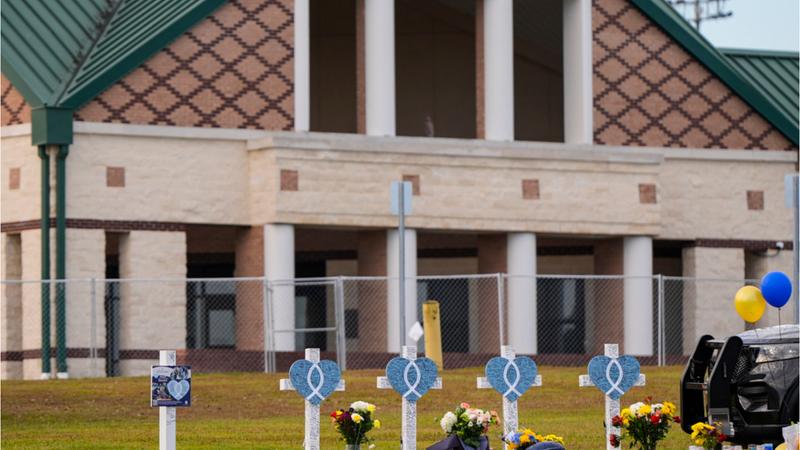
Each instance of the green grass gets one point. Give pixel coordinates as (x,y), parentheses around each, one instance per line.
(248,411)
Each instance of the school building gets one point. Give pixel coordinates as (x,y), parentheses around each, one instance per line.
(249,138)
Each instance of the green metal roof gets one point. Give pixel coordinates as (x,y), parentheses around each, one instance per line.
(727,70)
(64,53)
(775,73)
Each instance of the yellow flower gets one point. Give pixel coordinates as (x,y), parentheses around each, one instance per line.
(644,410)
(626,413)
(524,439)
(356,417)
(371,408)
(668,408)
(377,423)
(626,421)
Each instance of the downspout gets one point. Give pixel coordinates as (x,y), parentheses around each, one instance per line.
(45,275)
(61,238)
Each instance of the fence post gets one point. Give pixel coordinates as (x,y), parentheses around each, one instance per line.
(661,339)
(268,367)
(341,336)
(501,319)
(93,329)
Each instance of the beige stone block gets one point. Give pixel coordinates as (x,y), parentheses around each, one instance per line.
(153,312)
(21,203)
(136,367)
(11,312)
(31,301)
(11,370)
(708,300)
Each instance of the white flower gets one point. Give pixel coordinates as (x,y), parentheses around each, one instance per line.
(635,408)
(360,406)
(657,406)
(448,421)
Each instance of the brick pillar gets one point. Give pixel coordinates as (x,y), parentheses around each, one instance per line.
(708,304)
(249,294)
(11,312)
(31,304)
(152,313)
(492,258)
(608,297)
(372,295)
(86,258)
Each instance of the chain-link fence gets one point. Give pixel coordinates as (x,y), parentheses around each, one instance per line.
(116,327)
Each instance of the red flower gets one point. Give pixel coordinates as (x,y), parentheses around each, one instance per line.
(721,438)
(655,418)
(616,421)
(677,419)
(614,440)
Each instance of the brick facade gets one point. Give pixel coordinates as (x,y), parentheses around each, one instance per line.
(233,70)
(648,91)
(13,109)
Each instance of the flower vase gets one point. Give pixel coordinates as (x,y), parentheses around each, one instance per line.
(352,447)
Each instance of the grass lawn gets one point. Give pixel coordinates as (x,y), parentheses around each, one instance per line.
(246,410)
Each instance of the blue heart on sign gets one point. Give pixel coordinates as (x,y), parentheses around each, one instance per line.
(178,389)
(614,376)
(511,377)
(314,381)
(412,379)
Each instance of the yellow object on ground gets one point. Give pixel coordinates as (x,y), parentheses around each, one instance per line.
(431,322)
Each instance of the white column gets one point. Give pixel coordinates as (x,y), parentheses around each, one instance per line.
(393,294)
(302,85)
(577,37)
(279,266)
(498,69)
(379,67)
(521,314)
(638,294)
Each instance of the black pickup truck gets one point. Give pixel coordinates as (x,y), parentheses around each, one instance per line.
(748,383)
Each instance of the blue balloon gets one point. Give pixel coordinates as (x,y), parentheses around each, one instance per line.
(776,288)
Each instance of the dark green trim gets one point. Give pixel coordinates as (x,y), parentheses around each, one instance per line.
(20,83)
(51,126)
(61,258)
(761,53)
(680,30)
(45,246)
(121,67)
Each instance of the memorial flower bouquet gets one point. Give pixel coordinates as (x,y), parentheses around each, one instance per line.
(707,436)
(526,438)
(353,423)
(468,424)
(644,423)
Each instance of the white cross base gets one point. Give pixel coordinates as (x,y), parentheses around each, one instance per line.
(510,413)
(409,434)
(311,441)
(612,406)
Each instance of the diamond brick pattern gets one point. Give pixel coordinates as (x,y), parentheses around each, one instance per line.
(232,70)
(648,91)
(13,109)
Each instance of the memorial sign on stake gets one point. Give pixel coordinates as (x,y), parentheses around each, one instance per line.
(511,376)
(170,388)
(411,377)
(314,380)
(613,375)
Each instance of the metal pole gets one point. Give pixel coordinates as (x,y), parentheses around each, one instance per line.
(341,336)
(661,353)
(93,330)
(402,275)
(501,319)
(796,243)
(265,289)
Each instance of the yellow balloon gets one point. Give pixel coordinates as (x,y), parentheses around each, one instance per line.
(750,304)
(781,447)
